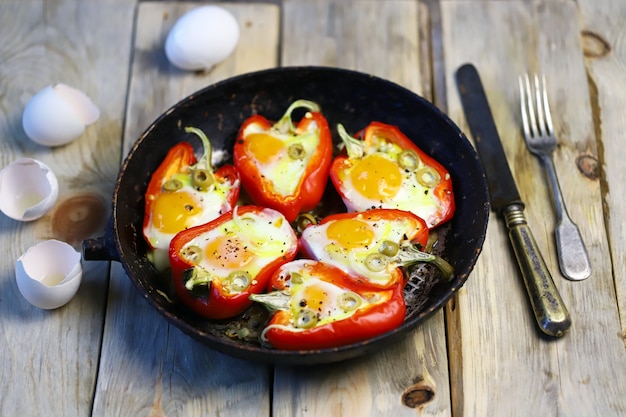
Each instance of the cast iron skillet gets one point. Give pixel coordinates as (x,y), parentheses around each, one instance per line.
(351,98)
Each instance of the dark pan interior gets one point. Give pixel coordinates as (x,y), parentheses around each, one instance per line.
(351,98)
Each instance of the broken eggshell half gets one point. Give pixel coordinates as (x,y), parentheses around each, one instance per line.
(28,189)
(49,273)
(58,114)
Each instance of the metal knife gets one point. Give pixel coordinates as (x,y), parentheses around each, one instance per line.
(550,311)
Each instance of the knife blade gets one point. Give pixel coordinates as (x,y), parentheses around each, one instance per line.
(548,307)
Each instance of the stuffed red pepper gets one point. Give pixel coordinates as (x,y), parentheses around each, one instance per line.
(383,168)
(317,306)
(372,246)
(285,166)
(218,265)
(185,192)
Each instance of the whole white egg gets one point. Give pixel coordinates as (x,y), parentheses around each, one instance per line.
(28,189)
(49,273)
(58,114)
(201,38)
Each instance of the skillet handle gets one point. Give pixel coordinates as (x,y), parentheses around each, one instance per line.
(102,248)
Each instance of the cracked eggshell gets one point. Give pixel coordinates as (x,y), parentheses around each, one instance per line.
(49,273)
(28,189)
(56,115)
(201,38)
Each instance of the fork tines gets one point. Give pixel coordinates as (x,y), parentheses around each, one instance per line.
(536,118)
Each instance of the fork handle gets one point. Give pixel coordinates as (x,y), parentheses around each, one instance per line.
(572,253)
(573,257)
(546,302)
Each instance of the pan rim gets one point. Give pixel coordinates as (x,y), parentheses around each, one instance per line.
(302,357)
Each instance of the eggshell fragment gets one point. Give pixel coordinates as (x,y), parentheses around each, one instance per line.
(28,189)
(56,115)
(49,273)
(201,38)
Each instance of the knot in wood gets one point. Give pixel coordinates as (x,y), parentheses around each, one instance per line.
(588,166)
(79,217)
(594,45)
(418,395)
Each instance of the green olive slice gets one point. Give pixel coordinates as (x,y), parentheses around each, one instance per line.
(237,281)
(304,220)
(408,160)
(295,278)
(305,319)
(172,185)
(193,254)
(376,262)
(296,151)
(202,179)
(349,301)
(389,248)
(428,177)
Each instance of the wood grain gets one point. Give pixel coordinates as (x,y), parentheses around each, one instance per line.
(555,379)
(603,47)
(149,367)
(49,359)
(399,380)
(108,352)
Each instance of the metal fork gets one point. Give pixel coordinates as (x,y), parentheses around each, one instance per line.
(540,140)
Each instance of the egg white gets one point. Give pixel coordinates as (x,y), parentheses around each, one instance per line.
(352,260)
(212,203)
(329,310)
(266,234)
(412,196)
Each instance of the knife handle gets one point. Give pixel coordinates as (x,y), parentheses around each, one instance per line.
(547,304)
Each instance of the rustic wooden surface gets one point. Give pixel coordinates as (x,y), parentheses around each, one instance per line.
(176,375)
(50,359)
(560,377)
(108,353)
(378,384)
(602,41)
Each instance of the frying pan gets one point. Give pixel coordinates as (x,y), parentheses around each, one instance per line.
(348,97)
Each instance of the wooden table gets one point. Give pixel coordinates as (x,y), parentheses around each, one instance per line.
(109,353)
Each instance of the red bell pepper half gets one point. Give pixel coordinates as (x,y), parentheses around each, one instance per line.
(218,265)
(372,246)
(285,166)
(383,168)
(184,192)
(317,306)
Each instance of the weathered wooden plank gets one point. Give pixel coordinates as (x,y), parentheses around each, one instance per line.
(381,38)
(603,39)
(49,358)
(576,375)
(337,34)
(149,367)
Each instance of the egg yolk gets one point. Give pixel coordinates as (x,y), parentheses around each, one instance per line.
(376,177)
(227,251)
(263,147)
(350,233)
(314,297)
(171,211)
